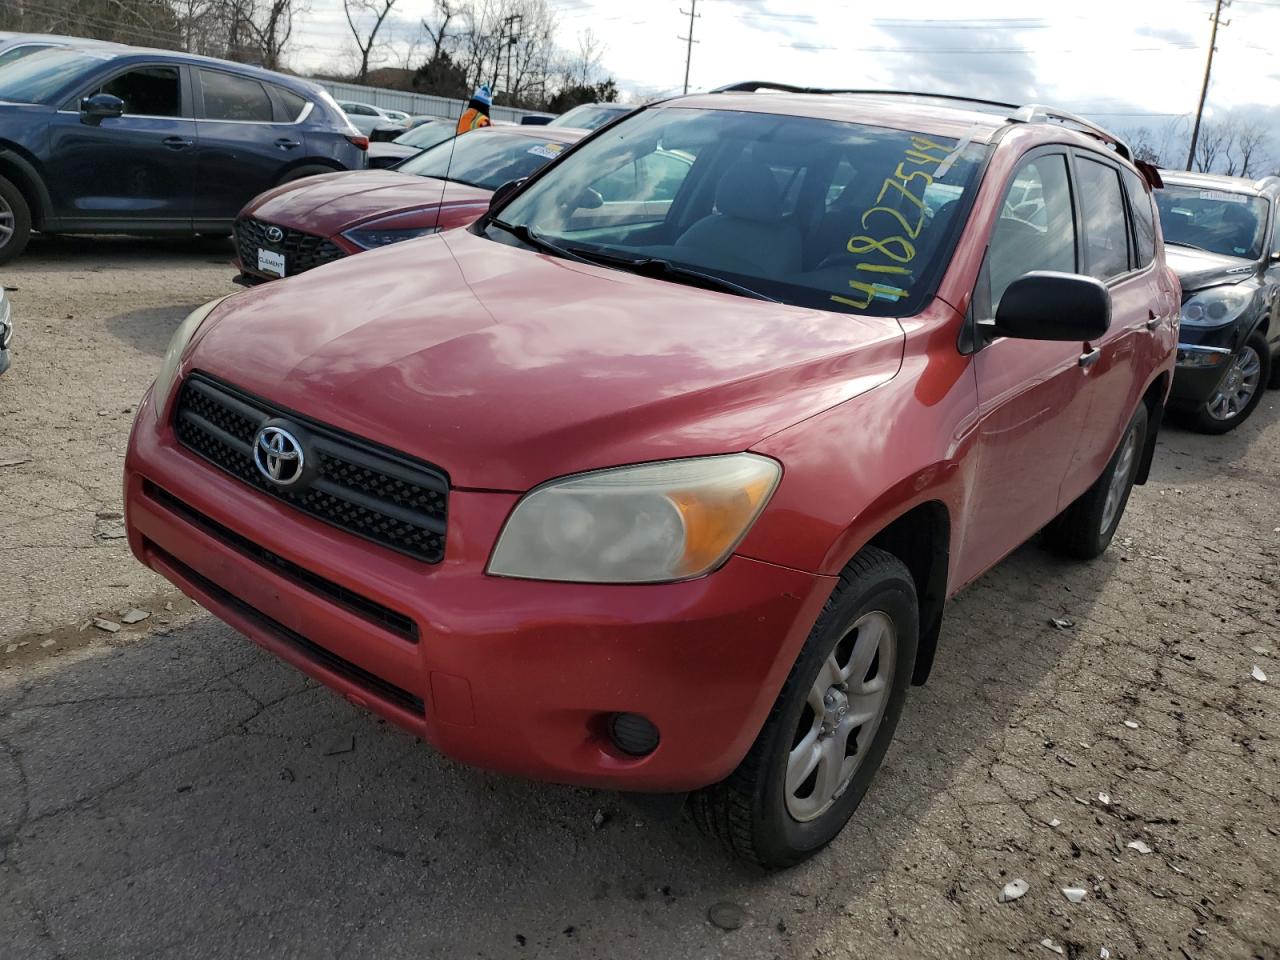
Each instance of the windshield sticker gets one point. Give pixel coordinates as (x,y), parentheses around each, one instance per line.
(886,272)
(548,150)
(1223,196)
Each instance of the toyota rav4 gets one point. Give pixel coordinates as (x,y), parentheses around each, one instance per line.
(664,487)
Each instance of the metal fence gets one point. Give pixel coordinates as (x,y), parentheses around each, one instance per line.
(417,104)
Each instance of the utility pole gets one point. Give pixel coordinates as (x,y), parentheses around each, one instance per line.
(509,24)
(692,14)
(1208,66)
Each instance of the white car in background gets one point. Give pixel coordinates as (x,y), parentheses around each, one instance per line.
(366,117)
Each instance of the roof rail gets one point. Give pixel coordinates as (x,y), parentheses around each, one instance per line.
(751,86)
(1039,113)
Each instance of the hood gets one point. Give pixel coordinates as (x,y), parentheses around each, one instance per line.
(1197,269)
(330,203)
(507,367)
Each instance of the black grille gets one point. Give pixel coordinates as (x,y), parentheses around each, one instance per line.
(323,656)
(302,251)
(362,488)
(392,620)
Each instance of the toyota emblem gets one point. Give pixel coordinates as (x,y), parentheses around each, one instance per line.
(275,234)
(278,455)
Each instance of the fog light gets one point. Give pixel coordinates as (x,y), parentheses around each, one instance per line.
(633,734)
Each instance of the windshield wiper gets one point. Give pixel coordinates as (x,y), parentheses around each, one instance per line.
(666,270)
(526,236)
(1183,243)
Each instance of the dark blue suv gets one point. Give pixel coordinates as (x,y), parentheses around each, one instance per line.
(107,140)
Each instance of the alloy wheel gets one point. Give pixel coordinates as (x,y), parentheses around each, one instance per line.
(1238,386)
(1120,478)
(6,222)
(841,714)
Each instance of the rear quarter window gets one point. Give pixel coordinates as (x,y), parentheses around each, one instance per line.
(290,104)
(1144,222)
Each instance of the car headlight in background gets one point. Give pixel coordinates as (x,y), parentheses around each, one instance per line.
(173,355)
(1217,305)
(652,523)
(371,238)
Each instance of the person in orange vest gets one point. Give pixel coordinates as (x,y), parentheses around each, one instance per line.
(477,112)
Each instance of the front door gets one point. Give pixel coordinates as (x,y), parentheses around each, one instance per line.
(135,169)
(1031,396)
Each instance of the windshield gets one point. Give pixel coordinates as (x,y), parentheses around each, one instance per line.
(817,213)
(486,159)
(1219,221)
(587,116)
(38,77)
(426,135)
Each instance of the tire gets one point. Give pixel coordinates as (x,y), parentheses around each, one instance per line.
(1240,391)
(1085,529)
(1273,382)
(15,221)
(310,170)
(752,813)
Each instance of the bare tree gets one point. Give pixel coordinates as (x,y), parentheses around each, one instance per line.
(1143,145)
(1251,144)
(358,13)
(1213,143)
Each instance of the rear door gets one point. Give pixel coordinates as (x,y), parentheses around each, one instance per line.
(1031,401)
(247,136)
(136,169)
(1118,230)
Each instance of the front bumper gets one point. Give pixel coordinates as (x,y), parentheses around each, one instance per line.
(1204,357)
(513,675)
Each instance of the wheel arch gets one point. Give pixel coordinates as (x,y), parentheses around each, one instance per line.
(1154,399)
(921,539)
(328,162)
(17,169)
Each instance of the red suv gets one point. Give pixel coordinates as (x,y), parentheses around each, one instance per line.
(668,494)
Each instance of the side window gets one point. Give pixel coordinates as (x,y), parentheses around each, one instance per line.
(1102,207)
(1144,222)
(1037,227)
(228,97)
(147,92)
(292,103)
(1275,230)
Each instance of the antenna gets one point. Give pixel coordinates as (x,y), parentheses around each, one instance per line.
(444,181)
(692,14)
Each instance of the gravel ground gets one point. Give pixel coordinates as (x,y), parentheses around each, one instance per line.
(172,790)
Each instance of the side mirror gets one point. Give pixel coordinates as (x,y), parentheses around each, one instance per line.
(99,107)
(502,193)
(1044,305)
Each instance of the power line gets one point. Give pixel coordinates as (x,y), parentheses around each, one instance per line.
(689,41)
(1204,88)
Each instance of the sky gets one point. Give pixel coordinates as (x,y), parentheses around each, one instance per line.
(1124,63)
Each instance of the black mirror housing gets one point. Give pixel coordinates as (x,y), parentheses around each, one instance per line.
(1046,305)
(502,193)
(99,107)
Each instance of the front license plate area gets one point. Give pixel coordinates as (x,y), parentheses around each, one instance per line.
(270,262)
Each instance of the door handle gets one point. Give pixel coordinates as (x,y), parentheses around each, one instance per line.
(1153,320)
(177,143)
(284,143)
(1090,358)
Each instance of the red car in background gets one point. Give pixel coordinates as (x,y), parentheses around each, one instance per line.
(301,225)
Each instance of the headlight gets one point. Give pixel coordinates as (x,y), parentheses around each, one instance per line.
(173,355)
(371,237)
(1217,305)
(645,524)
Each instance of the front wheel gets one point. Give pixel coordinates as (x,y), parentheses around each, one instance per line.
(1085,529)
(15,221)
(829,729)
(1239,392)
